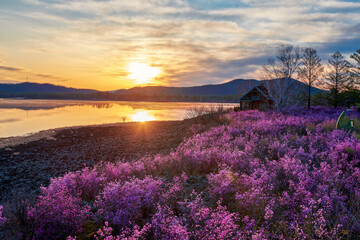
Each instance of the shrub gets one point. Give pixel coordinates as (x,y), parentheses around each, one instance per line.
(2,219)
(57,214)
(264,175)
(129,203)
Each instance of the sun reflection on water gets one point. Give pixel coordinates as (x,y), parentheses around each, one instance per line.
(142,116)
(19,117)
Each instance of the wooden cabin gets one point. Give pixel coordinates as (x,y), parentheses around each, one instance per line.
(256,98)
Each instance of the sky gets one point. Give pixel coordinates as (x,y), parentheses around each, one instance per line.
(115,44)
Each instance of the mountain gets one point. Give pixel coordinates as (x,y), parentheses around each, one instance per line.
(28,87)
(234,87)
(225,92)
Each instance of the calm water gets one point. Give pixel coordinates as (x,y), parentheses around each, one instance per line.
(21,117)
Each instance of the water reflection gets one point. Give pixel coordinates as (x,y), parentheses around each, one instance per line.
(19,117)
(142,116)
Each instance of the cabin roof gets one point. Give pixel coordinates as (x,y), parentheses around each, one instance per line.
(256,87)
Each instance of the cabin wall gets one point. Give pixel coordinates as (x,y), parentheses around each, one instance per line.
(256,100)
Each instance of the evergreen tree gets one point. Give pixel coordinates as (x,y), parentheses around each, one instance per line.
(310,70)
(338,76)
(356,69)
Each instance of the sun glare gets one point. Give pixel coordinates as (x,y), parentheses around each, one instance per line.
(142,73)
(142,117)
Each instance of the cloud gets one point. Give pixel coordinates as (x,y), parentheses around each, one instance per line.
(12,69)
(344,45)
(8,81)
(15,74)
(35,2)
(339,5)
(191,41)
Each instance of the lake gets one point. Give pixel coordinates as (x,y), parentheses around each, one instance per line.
(21,117)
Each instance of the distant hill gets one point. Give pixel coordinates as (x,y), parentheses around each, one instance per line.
(28,87)
(234,87)
(297,85)
(226,92)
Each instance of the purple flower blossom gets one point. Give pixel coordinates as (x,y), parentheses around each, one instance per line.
(2,219)
(123,204)
(265,175)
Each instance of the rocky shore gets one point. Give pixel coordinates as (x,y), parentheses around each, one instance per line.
(26,163)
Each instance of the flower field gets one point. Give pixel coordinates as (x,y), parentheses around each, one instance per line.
(260,175)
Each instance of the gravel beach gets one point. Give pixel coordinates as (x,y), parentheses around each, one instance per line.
(28,162)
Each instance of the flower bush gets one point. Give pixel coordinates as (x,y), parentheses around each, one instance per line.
(263,175)
(2,219)
(57,213)
(134,201)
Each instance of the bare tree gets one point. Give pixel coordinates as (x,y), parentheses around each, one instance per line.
(279,74)
(338,77)
(310,70)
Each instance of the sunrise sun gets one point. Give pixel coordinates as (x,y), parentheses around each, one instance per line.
(142,73)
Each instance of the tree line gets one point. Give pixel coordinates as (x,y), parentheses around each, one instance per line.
(339,77)
(108,96)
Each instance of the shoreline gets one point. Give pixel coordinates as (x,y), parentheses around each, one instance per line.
(13,103)
(49,134)
(108,100)
(31,161)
